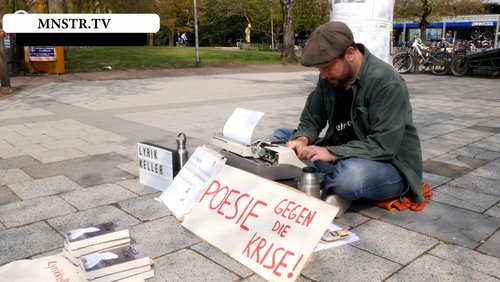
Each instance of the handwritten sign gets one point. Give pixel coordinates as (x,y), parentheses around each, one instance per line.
(181,194)
(54,268)
(157,165)
(269,227)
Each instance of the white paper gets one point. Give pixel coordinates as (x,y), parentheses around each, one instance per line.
(49,269)
(370,22)
(332,227)
(182,193)
(241,124)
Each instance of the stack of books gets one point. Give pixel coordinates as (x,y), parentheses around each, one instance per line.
(82,241)
(129,263)
(105,252)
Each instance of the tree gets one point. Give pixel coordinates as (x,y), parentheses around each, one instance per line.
(226,20)
(4,74)
(288,52)
(175,17)
(309,14)
(423,11)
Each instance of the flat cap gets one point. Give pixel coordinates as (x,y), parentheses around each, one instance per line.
(326,43)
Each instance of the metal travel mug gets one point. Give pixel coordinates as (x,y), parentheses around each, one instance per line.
(181,149)
(309,182)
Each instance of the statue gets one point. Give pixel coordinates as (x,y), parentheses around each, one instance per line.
(247,33)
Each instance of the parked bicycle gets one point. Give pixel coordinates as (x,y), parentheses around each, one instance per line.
(481,40)
(478,35)
(419,57)
(460,65)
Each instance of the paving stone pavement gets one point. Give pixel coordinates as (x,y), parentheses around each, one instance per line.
(68,159)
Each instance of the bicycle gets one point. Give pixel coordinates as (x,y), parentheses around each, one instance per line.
(460,65)
(402,61)
(482,40)
(437,61)
(478,35)
(182,42)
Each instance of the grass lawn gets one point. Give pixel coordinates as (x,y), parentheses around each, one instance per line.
(91,59)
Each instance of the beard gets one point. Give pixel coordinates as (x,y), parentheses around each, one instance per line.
(345,78)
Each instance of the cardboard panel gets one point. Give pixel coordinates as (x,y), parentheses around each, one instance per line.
(268,227)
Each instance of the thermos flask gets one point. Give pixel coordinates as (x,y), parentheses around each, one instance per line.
(181,149)
(309,182)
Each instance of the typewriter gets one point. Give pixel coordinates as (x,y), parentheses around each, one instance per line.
(267,159)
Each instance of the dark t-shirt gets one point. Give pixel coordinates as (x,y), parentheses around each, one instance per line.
(343,129)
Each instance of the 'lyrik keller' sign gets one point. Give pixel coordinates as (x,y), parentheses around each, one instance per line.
(157,165)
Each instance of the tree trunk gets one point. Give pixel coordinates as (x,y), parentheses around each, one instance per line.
(46,8)
(171,37)
(65,6)
(4,73)
(150,39)
(17,56)
(426,11)
(288,52)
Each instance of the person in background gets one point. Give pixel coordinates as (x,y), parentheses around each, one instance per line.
(184,39)
(449,36)
(370,148)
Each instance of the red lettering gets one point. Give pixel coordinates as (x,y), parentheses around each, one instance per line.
(218,204)
(225,201)
(290,275)
(281,263)
(247,247)
(308,218)
(277,209)
(222,198)
(276,261)
(276,226)
(284,231)
(265,255)
(236,206)
(291,212)
(252,214)
(208,191)
(260,246)
(273,260)
(281,229)
(244,211)
(287,209)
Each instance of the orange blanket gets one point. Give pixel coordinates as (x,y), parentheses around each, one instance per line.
(406,202)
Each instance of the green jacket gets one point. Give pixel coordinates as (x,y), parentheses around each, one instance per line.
(382,119)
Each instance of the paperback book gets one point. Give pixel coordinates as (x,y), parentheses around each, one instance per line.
(103,263)
(138,277)
(104,232)
(118,276)
(74,255)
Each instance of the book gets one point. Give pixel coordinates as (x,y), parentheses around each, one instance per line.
(114,260)
(124,274)
(68,256)
(97,247)
(87,236)
(138,277)
(74,255)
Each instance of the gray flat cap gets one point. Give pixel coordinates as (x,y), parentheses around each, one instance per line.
(326,43)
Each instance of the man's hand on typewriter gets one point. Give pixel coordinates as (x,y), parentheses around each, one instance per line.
(316,153)
(298,144)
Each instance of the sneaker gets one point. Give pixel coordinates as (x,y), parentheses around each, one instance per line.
(341,203)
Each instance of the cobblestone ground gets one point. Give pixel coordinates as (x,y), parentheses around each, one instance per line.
(68,159)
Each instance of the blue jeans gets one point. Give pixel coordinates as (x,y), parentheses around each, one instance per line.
(355,178)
